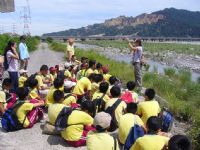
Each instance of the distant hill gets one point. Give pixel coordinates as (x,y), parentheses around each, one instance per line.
(169,22)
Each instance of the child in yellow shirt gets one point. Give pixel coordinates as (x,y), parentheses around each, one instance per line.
(27,108)
(151,140)
(149,107)
(100,139)
(79,124)
(23,77)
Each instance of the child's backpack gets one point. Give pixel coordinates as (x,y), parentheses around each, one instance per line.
(111,110)
(167,120)
(100,103)
(6,63)
(62,119)
(135,132)
(26,84)
(10,120)
(127,97)
(11,99)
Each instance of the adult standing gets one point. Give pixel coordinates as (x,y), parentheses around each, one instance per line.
(70,48)
(24,54)
(12,58)
(137,50)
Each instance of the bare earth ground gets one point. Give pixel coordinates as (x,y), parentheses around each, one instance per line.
(30,139)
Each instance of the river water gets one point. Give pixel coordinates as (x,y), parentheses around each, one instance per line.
(116,54)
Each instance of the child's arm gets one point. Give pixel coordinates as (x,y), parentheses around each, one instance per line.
(40,103)
(2,110)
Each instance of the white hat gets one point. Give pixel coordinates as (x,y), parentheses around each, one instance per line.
(69,84)
(67,64)
(22,71)
(103,120)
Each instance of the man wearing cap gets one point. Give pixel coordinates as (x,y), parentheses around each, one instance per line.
(70,48)
(24,54)
(99,139)
(137,50)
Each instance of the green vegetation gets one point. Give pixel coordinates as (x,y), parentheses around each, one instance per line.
(182,94)
(31,42)
(150,47)
(56,46)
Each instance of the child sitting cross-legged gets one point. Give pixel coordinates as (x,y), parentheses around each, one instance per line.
(79,124)
(28,113)
(130,95)
(151,141)
(100,139)
(127,121)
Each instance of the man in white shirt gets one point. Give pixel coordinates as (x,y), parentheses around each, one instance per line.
(24,54)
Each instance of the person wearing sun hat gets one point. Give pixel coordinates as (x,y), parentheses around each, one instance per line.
(100,139)
(23,77)
(70,99)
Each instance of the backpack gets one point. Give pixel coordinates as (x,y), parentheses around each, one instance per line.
(62,119)
(10,120)
(100,103)
(26,84)
(11,99)
(127,97)
(135,132)
(167,120)
(111,110)
(6,63)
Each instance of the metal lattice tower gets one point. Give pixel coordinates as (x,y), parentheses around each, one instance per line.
(26,17)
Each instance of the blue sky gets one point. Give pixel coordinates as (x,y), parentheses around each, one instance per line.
(56,15)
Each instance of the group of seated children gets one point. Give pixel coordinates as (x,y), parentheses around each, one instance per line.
(85,103)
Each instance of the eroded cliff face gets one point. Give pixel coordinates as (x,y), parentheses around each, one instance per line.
(134,21)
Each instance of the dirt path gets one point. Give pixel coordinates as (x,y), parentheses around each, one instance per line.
(33,138)
(44,56)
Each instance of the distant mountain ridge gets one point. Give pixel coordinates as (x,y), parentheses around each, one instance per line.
(169,22)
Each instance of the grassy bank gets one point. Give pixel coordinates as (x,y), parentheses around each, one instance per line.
(150,47)
(31,42)
(177,88)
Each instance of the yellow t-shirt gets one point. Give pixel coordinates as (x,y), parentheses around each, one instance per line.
(95,87)
(97,94)
(96,71)
(107,77)
(147,109)
(39,78)
(67,74)
(126,122)
(119,111)
(69,100)
(33,93)
(21,81)
(100,141)
(53,112)
(82,86)
(88,72)
(70,48)
(3,98)
(22,111)
(74,132)
(150,142)
(49,97)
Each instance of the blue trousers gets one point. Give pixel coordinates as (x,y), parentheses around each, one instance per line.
(14,78)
